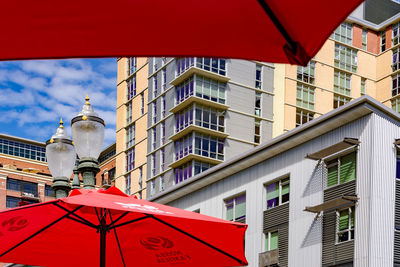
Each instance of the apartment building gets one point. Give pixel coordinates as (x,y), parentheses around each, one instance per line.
(361,57)
(323,194)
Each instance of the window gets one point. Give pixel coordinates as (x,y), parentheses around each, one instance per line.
(22,186)
(164,79)
(130,136)
(182,64)
(155,86)
(12,202)
(154,138)
(342,169)
(212,64)
(154,112)
(163,106)
(257,104)
(131,88)
(184,90)
(130,160)
(257,131)
(129,113)
(258,76)
(344,33)
(184,118)
(339,101)
(395,59)
(163,60)
(201,166)
(271,241)
(342,83)
(48,191)
(305,96)
(162,182)
(153,164)
(396,84)
(141,103)
(277,193)
(209,118)
(183,172)
(396,104)
(20,149)
(162,141)
(132,65)
(128,184)
(362,88)
(364,39)
(210,89)
(345,58)
(303,116)
(236,208)
(306,74)
(183,147)
(345,225)
(383,41)
(140,182)
(209,146)
(395,33)
(152,187)
(162,160)
(155,66)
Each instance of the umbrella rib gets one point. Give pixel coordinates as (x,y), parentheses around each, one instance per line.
(119,218)
(131,221)
(198,239)
(41,230)
(29,206)
(267,9)
(83,220)
(116,237)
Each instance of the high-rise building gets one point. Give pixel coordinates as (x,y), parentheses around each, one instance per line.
(200,112)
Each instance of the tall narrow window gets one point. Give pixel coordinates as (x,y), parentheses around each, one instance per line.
(364,39)
(395,33)
(383,41)
(164,79)
(152,187)
(131,88)
(344,33)
(142,103)
(396,59)
(305,96)
(345,225)
(155,66)
(162,133)
(258,76)
(345,58)
(163,106)
(132,65)
(271,241)
(128,184)
(303,116)
(162,159)
(306,74)
(154,138)
(277,193)
(257,105)
(396,84)
(154,112)
(257,131)
(130,160)
(342,83)
(129,113)
(342,169)
(236,208)
(153,164)
(162,183)
(363,82)
(130,136)
(155,86)
(396,104)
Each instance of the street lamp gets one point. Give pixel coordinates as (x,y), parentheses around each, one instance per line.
(61,158)
(88,135)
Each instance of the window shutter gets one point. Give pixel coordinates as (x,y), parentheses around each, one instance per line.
(348,168)
(332,175)
(344,220)
(274,240)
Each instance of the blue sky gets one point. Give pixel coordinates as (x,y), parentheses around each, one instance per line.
(34,94)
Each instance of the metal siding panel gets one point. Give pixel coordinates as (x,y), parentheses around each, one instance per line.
(276,216)
(348,188)
(283,241)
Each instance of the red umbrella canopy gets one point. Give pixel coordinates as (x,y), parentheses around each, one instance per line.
(268,30)
(109,228)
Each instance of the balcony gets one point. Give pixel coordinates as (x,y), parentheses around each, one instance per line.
(198,129)
(268,258)
(195,70)
(29,195)
(191,157)
(195,99)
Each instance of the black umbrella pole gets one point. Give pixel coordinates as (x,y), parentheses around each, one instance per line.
(103,233)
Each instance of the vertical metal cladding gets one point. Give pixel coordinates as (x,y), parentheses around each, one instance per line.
(397,225)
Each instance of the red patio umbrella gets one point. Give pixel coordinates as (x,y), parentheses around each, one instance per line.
(266,30)
(109,228)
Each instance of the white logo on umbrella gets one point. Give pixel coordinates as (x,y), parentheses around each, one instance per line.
(142,207)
